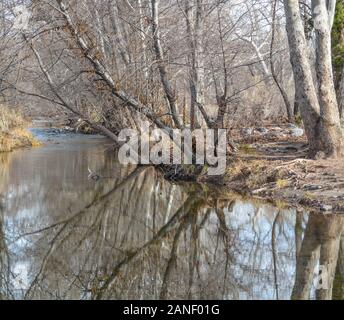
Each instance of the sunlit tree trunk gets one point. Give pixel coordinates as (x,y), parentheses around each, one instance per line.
(169,92)
(341,99)
(143,40)
(194,13)
(318,108)
(331,8)
(330,128)
(288,106)
(120,43)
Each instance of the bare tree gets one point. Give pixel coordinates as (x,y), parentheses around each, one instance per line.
(318,107)
(169,92)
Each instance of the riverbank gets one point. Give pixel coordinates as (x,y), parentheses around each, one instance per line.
(13,131)
(275,168)
(271,165)
(315,185)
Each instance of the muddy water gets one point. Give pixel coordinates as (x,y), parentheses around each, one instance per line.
(132,235)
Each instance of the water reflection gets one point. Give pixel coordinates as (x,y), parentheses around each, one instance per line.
(132,235)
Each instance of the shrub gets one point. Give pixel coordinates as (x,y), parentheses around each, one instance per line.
(10,119)
(13,134)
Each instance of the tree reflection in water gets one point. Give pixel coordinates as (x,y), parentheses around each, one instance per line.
(133,235)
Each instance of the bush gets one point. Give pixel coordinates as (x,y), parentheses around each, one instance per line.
(10,119)
(13,134)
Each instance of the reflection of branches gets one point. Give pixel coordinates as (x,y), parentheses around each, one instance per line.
(194,247)
(95,202)
(72,221)
(224,230)
(5,269)
(172,260)
(45,259)
(274,253)
(166,229)
(298,232)
(89,258)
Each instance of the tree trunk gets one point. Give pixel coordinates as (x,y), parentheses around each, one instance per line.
(143,41)
(331,9)
(222,103)
(341,100)
(120,44)
(194,13)
(320,116)
(289,109)
(169,92)
(330,121)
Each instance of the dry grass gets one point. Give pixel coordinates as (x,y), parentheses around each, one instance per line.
(236,168)
(282,183)
(255,174)
(10,119)
(247,149)
(13,134)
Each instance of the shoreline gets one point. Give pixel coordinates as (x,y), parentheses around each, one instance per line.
(17,138)
(283,178)
(14,132)
(315,185)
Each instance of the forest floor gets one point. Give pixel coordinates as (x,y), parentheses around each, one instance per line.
(273,165)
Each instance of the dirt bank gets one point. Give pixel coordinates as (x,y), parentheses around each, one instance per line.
(317,185)
(274,166)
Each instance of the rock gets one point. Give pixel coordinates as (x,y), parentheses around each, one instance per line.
(312,187)
(326,208)
(291,149)
(69,129)
(320,156)
(262,130)
(276,129)
(247,131)
(297,132)
(276,135)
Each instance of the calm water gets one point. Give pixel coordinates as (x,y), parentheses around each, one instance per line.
(132,235)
